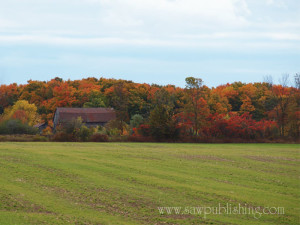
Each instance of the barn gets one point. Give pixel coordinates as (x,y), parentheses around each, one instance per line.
(90,116)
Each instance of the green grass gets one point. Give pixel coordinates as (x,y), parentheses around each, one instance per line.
(125,183)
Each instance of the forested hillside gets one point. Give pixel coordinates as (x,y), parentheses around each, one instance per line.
(238,110)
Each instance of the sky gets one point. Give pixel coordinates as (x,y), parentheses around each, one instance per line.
(149,41)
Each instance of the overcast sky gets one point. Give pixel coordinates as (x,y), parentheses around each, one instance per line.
(152,41)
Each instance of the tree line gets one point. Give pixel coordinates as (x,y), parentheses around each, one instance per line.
(251,111)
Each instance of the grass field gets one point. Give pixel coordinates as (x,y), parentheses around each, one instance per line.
(125,183)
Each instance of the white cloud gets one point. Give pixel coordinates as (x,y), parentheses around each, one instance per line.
(234,41)
(167,16)
(143,17)
(4,24)
(189,23)
(277,3)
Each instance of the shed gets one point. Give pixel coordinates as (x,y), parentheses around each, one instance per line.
(41,126)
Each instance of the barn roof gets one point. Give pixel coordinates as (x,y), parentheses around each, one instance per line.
(88,115)
(39,125)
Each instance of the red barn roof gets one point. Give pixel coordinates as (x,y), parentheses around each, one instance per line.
(88,115)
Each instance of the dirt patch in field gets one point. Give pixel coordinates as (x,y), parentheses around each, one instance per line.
(146,157)
(259,158)
(204,158)
(60,173)
(11,159)
(270,158)
(286,159)
(9,202)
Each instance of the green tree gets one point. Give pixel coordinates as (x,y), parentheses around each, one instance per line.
(136,120)
(120,103)
(195,106)
(94,103)
(162,124)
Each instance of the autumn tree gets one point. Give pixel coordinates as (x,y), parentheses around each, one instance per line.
(293,120)
(118,96)
(189,108)
(247,105)
(9,94)
(283,96)
(162,120)
(195,109)
(23,111)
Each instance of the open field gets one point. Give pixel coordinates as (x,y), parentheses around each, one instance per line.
(125,183)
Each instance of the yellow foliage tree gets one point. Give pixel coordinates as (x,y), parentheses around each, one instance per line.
(23,111)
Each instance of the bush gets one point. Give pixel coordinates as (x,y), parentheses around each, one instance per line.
(115,132)
(123,138)
(144,130)
(63,137)
(74,130)
(84,133)
(116,128)
(16,127)
(39,138)
(47,131)
(22,138)
(99,138)
(134,138)
(234,126)
(73,126)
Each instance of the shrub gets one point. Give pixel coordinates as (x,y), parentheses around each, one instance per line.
(240,126)
(16,127)
(84,133)
(134,138)
(47,131)
(74,130)
(123,138)
(116,128)
(63,137)
(73,126)
(99,138)
(144,130)
(22,138)
(113,132)
(40,138)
